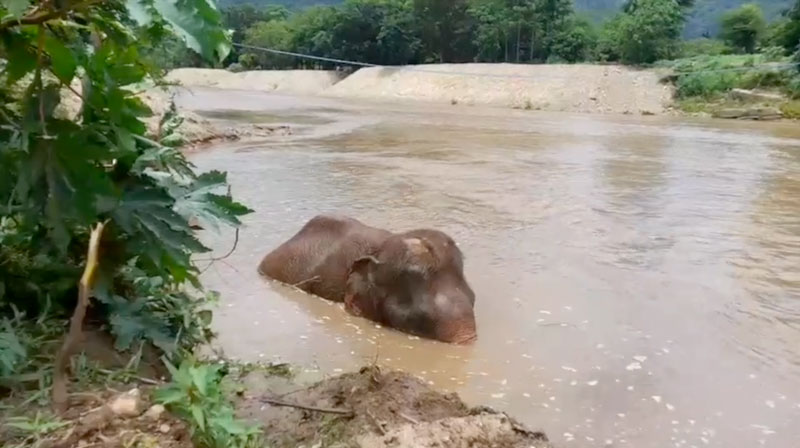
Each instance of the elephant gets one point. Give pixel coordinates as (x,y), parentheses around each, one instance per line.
(411,281)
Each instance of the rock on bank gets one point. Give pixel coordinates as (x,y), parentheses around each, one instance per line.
(553,87)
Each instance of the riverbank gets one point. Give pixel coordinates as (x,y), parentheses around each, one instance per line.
(113,404)
(584,88)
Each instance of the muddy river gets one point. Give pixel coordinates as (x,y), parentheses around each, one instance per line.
(637,278)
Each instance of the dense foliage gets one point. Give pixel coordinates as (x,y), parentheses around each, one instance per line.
(62,170)
(743,28)
(703,18)
(397,32)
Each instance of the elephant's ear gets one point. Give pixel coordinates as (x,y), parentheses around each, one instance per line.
(359,291)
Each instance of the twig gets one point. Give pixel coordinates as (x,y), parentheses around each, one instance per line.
(339,411)
(377,424)
(230,252)
(409,418)
(60,396)
(38,76)
(303,282)
(136,377)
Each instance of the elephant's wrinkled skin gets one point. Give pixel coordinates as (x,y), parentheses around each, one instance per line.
(411,281)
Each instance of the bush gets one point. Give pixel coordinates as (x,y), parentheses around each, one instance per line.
(196,395)
(710,76)
(703,47)
(791,109)
(744,27)
(59,176)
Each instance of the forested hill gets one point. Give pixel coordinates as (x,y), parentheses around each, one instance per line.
(703,19)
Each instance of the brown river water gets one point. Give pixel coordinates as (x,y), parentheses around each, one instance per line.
(637,278)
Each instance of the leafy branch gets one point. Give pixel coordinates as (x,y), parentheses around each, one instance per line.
(38,17)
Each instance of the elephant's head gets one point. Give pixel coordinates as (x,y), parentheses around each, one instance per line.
(415,283)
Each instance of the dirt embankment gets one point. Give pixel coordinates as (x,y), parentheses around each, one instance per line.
(554,87)
(373,409)
(193,130)
(302,82)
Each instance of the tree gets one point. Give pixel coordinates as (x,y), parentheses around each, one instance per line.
(575,42)
(446,29)
(312,34)
(61,174)
(643,32)
(490,37)
(275,35)
(743,28)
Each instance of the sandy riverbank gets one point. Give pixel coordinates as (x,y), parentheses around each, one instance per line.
(581,88)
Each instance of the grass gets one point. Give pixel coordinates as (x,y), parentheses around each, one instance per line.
(195,393)
(709,77)
(702,83)
(791,109)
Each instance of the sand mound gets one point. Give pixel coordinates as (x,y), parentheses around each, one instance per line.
(384,410)
(305,82)
(554,87)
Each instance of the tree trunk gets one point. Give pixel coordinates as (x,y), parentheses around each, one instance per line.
(519,29)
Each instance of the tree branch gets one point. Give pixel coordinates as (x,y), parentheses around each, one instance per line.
(339,411)
(73,336)
(40,17)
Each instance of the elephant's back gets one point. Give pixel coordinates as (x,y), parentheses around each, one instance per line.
(318,258)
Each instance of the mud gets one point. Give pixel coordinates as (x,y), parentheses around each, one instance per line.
(373,409)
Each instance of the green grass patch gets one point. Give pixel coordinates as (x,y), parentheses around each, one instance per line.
(708,77)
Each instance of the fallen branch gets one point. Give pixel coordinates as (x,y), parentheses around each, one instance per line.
(378,424)
(409,418)
(303,282)
(340,411)
(73,336)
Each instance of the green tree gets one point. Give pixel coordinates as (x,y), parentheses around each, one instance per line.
(312,34)
(574,42)
(650,31)
(239,18)
(743,28)
(490,36)
(446,29)
(275,35)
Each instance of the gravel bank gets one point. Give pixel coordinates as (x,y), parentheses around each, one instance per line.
(555,87)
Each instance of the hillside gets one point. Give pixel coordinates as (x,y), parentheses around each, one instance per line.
(704,17)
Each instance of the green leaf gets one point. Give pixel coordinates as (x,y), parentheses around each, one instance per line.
(199,378)
(229,425)
(62,60)
(16,7)
(197,22)
(197,414)
(168,396)
(132,321)
(205,316)
(21,56)
(199,201)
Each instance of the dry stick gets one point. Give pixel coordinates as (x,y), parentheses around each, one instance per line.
(339,411)
(230,252)
(409,418)
(303,282)
(376,422)
(72,337)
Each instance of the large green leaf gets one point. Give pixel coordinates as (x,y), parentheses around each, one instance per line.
(197,22)
(62,60)
(131,321)
(200,200)
(16,8)
(21,57)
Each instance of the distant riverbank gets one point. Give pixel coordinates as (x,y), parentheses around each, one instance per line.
(581,88)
